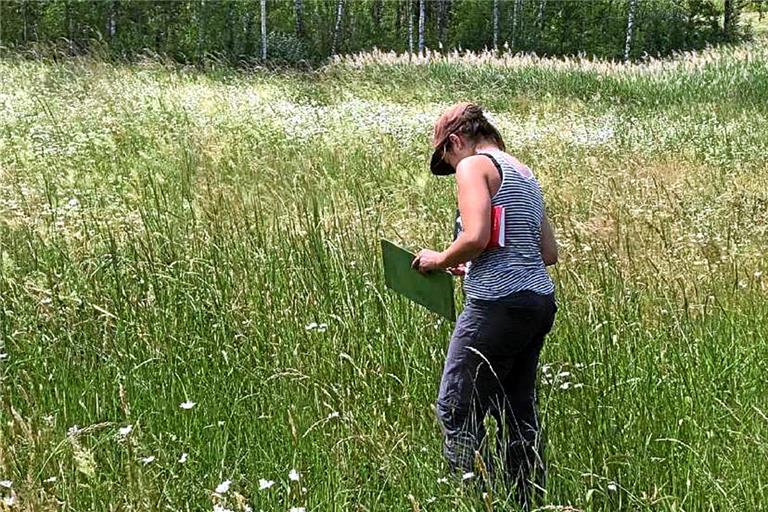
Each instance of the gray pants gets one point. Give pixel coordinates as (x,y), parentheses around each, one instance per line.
(491,369)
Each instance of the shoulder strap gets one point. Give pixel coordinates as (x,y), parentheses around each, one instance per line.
(496,163)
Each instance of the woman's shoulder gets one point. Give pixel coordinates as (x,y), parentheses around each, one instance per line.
(515,163)
(478,163)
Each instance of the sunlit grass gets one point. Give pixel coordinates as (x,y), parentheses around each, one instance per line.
(170,238)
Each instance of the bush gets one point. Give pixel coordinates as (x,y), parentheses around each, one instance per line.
(284,48)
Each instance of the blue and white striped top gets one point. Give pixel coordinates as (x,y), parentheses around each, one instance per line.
(517,266)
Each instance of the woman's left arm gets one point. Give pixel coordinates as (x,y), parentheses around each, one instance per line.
(475,209)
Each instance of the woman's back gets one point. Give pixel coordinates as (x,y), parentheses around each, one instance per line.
(517,266)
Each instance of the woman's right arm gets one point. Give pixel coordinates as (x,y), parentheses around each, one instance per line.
(548,242)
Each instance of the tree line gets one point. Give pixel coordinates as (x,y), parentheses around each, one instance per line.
(290,31)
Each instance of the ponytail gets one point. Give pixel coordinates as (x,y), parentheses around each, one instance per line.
(476,126)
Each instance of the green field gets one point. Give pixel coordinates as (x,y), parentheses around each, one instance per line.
(172,237)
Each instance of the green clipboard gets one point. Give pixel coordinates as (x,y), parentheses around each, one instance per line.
(433,290)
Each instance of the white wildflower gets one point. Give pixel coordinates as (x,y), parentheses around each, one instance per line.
(147,460)
(50,480)
(6,483)
(467,476)
(293,475)
(612,486)
(124,431)
(297,509)
(565,385)
(265,484)
(221,508)
(223,487)
(334,414)
(442,480)
(9,501)
(312,326)
(183,458)
(187,405)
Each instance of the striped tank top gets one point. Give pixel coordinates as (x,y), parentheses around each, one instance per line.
(517,266)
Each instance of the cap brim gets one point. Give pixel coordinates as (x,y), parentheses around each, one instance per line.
(438,166)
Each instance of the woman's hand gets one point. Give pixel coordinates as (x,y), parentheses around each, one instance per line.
(428,260)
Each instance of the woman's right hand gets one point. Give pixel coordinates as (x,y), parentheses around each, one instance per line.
(458,270)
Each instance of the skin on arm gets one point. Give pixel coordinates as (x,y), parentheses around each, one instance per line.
(474,200)
(548,242)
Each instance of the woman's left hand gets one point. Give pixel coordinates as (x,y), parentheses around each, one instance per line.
(428,260)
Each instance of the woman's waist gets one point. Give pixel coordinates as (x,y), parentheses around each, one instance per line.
(509,257)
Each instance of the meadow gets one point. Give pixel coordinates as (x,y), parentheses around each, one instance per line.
(192,307)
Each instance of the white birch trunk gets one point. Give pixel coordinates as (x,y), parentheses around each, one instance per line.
(422,25)
(337,27)
(201,28)
(112,19)
(410,28)
(630,23)
(540,14)
(495,25)
(263,29)
(513,36)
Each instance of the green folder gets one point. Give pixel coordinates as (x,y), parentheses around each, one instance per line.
(433,290)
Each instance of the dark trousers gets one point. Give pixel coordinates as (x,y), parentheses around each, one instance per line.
(491,369)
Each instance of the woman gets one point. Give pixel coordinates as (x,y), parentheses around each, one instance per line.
(510,305)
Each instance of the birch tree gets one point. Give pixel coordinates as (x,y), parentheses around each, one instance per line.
(263,29)
(440,22)
(495,25)
(112,19)
(517,7)
(422,25)
(540,15)
(337,26)
(410,28)
(201,22)
(630,23)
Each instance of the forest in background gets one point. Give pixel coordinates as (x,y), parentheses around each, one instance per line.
(310,31)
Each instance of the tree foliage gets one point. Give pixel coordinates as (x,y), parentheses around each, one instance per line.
(311,30)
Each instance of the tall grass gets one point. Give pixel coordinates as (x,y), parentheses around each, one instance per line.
(169,237)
